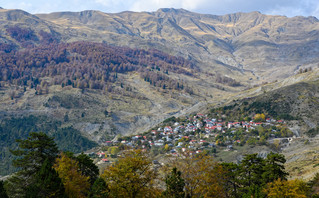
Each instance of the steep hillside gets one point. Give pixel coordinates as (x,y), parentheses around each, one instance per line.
(265,45)
(298,104)
(250,47)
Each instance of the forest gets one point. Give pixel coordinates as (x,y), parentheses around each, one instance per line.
(44,171)
(83,64)
(19,128)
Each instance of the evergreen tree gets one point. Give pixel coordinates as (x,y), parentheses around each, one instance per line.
(99,189)
(46,183)
(3,193)
(232,179)
(274,168)
(251,172)
(33,152)
(174,184)
(87,167)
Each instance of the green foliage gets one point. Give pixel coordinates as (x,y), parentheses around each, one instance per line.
(287,116)
(232,179)
(171,119)
(248,178)
(313,185)
(174,184)
(99,189)
(3,193)
(19,128)
(70,139)
(46,183)
(274,168)
(32,153)
(313,132)
(87,167)
(251,171)
(114,150)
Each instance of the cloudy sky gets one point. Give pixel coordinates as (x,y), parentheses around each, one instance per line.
(276,7)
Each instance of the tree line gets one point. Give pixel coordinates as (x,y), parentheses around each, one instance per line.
(44,171)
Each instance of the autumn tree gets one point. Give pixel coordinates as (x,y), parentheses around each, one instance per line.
(132,176)
(286,189)
(76,185)
(202,175)
(259,117)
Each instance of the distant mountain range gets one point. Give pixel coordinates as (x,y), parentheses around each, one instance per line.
(270,47)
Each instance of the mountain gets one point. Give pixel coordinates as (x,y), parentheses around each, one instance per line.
(94,75)
(263,44)
(260,46)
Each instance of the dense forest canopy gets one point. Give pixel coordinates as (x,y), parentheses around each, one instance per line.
(83,64)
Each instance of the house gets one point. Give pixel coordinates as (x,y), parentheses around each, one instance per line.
(168,129)
(192,141)
(105,160)
(100,154)
(159,143)
(202,141)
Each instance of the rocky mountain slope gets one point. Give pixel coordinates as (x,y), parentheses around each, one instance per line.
(229,55)
(270,46)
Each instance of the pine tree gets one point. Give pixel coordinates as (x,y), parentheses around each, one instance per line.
(274,168)
(87,167)
(99,189)
(251,172)
(3,193)
(33,152)
(46,183)
(174,184)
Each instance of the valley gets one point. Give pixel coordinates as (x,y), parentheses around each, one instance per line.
(94,77)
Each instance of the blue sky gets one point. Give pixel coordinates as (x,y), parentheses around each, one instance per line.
(288,8)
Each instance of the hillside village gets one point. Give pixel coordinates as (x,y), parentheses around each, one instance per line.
(201,133)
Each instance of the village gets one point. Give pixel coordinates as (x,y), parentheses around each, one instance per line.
(200,133)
